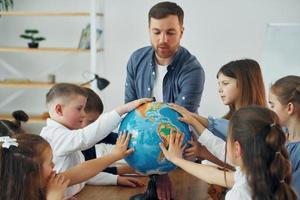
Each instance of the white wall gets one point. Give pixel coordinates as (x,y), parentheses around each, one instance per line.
(216,32)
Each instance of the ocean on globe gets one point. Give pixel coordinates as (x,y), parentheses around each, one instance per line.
(150,124)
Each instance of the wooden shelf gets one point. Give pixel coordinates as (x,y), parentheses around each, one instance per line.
(28,84)
(67,14)
(32,118)
(45,49)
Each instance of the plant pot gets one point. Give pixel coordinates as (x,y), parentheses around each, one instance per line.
(33,45)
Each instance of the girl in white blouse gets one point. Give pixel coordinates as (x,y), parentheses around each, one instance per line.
(255,145)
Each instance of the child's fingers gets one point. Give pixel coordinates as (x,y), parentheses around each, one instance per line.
(66,182)
(191,142)
(129,151)
(181,139)
(189,154)
(143,100)
(177,138)
(127,139)
(163,148)
(136,182)
(182,119)
(122,137)
(183,147)
(189,150)
(172,138)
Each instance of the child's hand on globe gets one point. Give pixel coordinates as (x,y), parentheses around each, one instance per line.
(131,105)
(175,149)
(188,117)
(120,150)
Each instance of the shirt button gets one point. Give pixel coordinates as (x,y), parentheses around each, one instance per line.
(148,89)
(183,98)
(153,73)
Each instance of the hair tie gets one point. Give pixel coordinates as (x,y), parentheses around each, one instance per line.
(277,152)
(273,124)
(8,141)
(282,181)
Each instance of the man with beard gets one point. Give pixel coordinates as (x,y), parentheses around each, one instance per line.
(165,70)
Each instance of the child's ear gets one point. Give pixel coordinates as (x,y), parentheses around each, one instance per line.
(237,150)
(58,109)
(290,108)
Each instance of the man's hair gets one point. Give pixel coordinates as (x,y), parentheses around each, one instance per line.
(164,9)
(93,103)
(64,90)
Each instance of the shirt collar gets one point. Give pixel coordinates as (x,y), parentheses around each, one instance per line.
(51,122)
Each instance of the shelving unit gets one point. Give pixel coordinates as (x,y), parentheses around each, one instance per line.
(22,86)
(29,84)
(44,49)
(32,118)
(40,14)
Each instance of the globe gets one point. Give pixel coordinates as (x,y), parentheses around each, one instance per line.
(150,124)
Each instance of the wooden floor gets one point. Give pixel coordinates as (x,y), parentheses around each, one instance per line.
(185,186)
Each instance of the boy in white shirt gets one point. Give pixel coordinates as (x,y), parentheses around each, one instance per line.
(63,131)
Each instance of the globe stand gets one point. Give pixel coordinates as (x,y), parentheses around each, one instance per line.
(150,193)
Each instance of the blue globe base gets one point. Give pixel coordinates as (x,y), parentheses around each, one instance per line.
(150,193)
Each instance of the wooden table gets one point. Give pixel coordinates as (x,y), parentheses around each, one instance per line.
(185,186)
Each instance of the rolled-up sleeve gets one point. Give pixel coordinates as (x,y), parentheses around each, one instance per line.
(214,144)
(192,85)
(218,127)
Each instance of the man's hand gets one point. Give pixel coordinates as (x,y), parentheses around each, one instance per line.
(129,181)
(164,187)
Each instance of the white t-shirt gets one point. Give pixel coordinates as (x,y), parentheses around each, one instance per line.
(161,71)
(240,189)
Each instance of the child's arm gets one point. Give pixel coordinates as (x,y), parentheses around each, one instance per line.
(131,105)
(201,152)
(88,169)
(188,118)
(201,119)
(213,143)
(208,174)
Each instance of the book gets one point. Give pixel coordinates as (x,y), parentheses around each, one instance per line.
(84,42)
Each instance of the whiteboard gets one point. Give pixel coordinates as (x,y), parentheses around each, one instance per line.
(281,52)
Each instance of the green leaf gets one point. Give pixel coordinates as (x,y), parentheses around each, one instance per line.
(39,39)
(26,37)
(32,31)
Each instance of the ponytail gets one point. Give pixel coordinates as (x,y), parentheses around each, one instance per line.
(264,155)
(10,128)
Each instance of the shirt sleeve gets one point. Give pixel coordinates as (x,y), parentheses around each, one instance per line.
(81,139)
(214,144)
(191,85)
(130,91)
(103,179)
(218,127)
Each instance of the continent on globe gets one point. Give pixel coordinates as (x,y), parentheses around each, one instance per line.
(151,124)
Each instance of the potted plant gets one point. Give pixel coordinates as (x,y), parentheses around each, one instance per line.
(30,35)
(5,5)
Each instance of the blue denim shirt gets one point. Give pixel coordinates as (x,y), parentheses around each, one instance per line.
(218,126)
(183,83)
(294,153)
